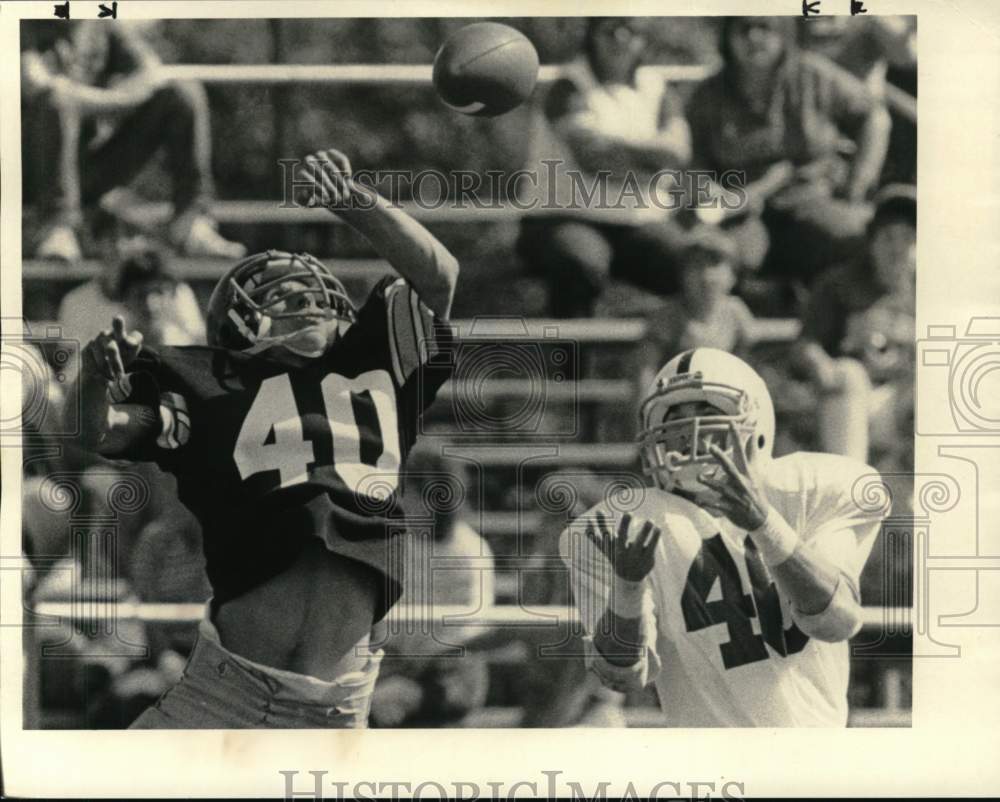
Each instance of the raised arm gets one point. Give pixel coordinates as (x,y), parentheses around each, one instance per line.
(608,571)
(823,605)
(411,249)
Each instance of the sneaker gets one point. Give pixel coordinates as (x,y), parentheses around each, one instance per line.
(60,243)
(202,239)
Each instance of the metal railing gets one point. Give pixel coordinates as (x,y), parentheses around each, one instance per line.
(420,74)
(874,618)
(375,73)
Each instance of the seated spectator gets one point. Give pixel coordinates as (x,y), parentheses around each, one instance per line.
(151,293)
(601,118)
(787,120)
(704,314)
(867,47)
(858,335)
(882,52)
(95,111)
(139,285)
(428,678)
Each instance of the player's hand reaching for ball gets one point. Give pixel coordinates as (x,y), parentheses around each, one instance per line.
(111,353)
(632,558)
(332,183)
(740,498)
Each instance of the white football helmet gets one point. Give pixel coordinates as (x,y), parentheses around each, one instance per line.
(675,449)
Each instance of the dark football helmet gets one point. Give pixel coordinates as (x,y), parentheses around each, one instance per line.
(242,306)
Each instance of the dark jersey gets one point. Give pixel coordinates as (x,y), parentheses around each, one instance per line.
(268,456)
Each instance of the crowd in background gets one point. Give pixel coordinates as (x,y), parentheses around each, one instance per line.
(815,116)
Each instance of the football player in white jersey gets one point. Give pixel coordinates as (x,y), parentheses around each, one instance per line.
(733,583)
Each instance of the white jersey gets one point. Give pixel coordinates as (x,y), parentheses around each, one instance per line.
(723,649)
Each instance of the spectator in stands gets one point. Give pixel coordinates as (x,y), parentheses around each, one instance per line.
(858,335)
(425,680)
(705,313)
(94,112)
(788,119)
(867,47)
(152,295)
(602,117)
(882,52)
(139,285)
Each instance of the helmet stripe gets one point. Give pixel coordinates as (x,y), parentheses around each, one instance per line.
(684,366)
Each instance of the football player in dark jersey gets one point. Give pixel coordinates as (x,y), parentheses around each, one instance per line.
(287,434)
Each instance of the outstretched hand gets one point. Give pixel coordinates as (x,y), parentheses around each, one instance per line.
(113,351)
(633,559)
(740,498)
(332,184)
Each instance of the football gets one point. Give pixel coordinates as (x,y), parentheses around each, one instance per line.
(485,69)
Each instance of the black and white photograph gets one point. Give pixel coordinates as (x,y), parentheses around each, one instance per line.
(519,373)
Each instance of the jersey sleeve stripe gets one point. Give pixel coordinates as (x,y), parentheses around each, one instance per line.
(432,345)
(166,438)
(421,326)
(175,420)
(404,332)
(397,367)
